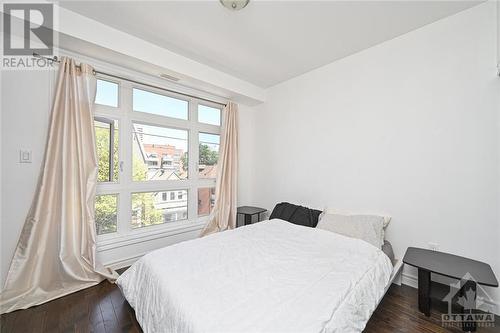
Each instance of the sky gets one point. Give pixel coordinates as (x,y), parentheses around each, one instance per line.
(174,137)
(163,135)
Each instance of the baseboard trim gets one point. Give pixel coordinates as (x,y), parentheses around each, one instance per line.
(409,280)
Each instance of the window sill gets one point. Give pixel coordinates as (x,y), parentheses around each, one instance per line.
(147,235)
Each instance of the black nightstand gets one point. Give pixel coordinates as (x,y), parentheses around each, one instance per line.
(248,212)
(469,272)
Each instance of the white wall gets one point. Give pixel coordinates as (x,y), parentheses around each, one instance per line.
(408,128)
(24,126)
(26,98)
(248,157)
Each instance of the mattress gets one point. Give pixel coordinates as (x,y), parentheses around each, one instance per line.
(271,276)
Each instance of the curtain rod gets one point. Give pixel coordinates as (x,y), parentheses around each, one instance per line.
(56,60)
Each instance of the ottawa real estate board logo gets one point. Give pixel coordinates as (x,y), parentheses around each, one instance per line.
(28,28)
(469,296)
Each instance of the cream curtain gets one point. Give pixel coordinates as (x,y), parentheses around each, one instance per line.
(56,252)
(224,213)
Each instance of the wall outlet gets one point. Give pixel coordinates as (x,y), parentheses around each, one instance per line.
(433,246)
(24,156)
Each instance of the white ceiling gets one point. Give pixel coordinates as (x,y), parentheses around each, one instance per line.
(269,41)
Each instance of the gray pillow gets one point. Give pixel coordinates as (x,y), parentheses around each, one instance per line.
(369,228)
(387,249)
(387,219)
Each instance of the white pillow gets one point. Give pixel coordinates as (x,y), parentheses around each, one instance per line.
(369,228)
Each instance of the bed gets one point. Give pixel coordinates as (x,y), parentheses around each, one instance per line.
(272,276)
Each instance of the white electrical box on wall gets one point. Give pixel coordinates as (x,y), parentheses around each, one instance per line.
(24,156)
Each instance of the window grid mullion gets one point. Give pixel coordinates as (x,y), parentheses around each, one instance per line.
(193,161)
(124,225)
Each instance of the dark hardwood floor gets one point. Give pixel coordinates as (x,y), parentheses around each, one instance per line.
(102,308)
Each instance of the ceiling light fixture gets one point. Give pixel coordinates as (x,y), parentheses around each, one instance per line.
(234,4)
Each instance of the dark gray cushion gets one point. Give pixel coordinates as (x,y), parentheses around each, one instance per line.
(296,214)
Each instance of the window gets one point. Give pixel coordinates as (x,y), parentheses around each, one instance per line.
(148,209)
(208,115)
(106,137)
(206,200)
(159,153)
(145,101)
(107,93)
(106,213)
(146,181)
(208,155)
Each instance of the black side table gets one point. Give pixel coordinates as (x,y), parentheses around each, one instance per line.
(470,272)
(249,211)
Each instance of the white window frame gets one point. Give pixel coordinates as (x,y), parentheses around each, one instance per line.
(125,117)
(119,92)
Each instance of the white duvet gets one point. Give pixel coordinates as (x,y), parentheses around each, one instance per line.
(271,276)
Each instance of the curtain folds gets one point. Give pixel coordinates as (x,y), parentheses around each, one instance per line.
(56,252)
(224,213)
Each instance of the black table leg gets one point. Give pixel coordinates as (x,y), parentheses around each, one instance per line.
(468,295)
(424,289)
(248,219)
